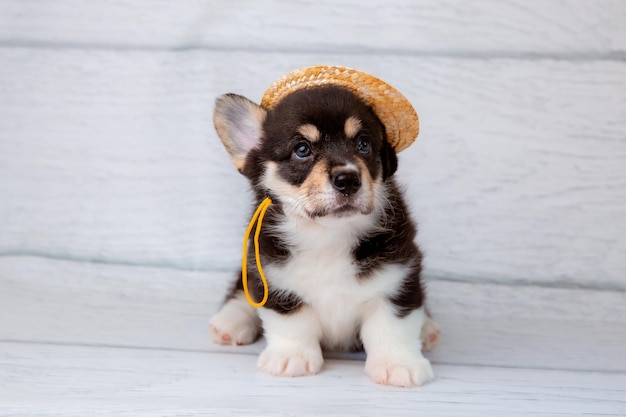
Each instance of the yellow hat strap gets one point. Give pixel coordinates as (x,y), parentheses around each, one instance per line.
(258,214)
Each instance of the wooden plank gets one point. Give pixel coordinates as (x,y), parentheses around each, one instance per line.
(518,174)
(567,28)
(59,302)
(71,381)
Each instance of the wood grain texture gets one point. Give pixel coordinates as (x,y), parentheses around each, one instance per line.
(110,164)
(68,303)
(36,380)
(518,174)
(452,27)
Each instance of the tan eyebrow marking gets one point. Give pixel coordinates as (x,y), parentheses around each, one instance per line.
(310,132)
(352,126)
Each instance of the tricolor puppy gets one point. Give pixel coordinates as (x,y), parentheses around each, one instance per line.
(337,243)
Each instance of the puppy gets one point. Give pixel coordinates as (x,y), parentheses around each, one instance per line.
(337,243)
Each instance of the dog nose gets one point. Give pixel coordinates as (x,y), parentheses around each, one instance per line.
(346,182)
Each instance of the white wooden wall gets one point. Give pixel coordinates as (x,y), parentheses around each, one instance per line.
(108,153)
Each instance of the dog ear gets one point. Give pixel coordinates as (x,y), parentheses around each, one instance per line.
(239,124)
(389,160)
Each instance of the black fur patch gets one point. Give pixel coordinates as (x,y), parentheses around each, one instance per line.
(410,296)
(394,245)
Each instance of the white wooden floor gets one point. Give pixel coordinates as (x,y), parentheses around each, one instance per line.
(92,339)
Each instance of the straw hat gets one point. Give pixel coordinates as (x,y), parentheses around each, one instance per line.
(391,107)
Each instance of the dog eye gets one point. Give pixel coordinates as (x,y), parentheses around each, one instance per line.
(302,150)
(363,145)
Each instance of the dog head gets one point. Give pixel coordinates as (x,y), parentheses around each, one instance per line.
(319,152)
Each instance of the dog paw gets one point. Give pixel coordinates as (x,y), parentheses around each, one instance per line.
(235,325)
(430,335)
(408,374)
(291,361)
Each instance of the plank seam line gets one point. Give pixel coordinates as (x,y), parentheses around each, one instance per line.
(353,50)
(429,275)
(208,351)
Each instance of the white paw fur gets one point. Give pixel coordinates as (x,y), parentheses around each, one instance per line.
(291,361)
(237,323)
(399,373)
(293,343)
(394,355)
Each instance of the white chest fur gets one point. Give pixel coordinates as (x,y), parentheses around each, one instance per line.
(322,272)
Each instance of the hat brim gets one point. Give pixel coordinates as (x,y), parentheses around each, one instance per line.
(392,108)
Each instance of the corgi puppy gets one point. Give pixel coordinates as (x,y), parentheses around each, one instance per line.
(337,243)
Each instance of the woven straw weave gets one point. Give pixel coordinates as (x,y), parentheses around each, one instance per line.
(391,107)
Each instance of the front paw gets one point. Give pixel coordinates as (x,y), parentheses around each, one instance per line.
(235,324)
(411,373)
(291,361)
